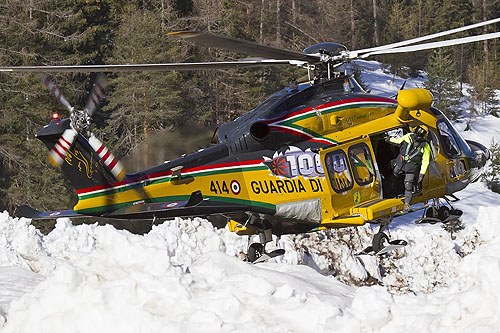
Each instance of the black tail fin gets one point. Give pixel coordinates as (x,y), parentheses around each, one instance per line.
(82,165)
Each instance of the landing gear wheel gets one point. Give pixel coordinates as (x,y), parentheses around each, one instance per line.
(443,213)
(380,240)
(431,213)
(254,252)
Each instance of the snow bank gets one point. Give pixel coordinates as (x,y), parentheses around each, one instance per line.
(186,276)
(176,278)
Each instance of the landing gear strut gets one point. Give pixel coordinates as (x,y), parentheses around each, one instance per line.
(257,251)
(381,243)
(440,213)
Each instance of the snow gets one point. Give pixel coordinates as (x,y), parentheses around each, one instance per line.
(186,276)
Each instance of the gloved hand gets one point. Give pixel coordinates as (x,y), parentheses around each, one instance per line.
(420,178)
(387,138)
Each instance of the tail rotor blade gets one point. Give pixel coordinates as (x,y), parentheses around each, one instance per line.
(112,163)
(60,149)
(97,95)
(56,92)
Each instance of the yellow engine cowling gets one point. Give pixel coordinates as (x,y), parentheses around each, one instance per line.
(412,99)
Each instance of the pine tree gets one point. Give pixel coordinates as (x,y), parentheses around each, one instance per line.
(492,173)
(43,32)
(140,102)
(394,32)
(482,94)
(442,83)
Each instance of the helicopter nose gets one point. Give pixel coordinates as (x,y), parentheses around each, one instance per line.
(480,155)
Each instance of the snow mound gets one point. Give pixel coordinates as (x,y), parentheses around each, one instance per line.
(186,276)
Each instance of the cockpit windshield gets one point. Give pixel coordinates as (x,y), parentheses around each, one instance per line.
(452,142)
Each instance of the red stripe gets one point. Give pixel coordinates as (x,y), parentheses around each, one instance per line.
(94,101)
(222,165)
(105,157)
(101,89)
(112,164)
(300,134)
(291,131)
(63,139)
(58,144)
(100,149)
(322,141)
(58,152)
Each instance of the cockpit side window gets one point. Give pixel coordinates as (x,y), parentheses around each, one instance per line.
(448,141)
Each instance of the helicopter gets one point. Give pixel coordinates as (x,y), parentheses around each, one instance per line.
(310,157)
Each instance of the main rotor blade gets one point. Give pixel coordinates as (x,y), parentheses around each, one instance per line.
(433,45)
(243,46)
(154,67)
(427,37)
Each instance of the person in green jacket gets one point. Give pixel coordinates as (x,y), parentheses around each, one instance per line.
(413,159)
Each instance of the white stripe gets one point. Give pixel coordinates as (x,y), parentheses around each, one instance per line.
(94,142)
(64,144)
(103,152)
(56,157)
(69,135)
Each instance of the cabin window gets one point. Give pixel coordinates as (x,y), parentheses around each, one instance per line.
(448,141)
(361,164)
(338,171)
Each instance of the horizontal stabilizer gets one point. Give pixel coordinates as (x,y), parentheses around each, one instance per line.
(160,209)
(31,213)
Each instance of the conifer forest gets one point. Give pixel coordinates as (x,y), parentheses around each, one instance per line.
(189,105)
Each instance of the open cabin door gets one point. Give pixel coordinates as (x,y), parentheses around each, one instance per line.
(352,175)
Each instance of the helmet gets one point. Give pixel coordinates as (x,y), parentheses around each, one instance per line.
(421,132)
